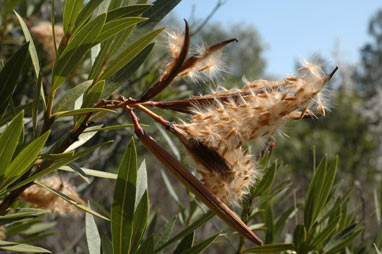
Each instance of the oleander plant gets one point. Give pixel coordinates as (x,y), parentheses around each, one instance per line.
(100,104)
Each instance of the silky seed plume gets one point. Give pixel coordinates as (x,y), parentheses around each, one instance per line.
(44,199)
(259,109)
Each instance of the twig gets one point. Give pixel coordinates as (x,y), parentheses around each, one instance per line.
(219,4)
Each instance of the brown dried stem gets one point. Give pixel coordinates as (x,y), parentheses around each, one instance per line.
(173,72)
(192,183)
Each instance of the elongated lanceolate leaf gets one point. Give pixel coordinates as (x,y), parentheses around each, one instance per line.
(9,140)
(84,137)
(127,11)
(56,166)
(163,234)
(71,201)
(81,111)
(92,235)
(86,12)
(79,44)
(32,47)
(157,12)
(200,246)
(189,229)
(92,172)
(71,10)
(115,26)
(185,244)
(21,247)
(141,217)
(24,160)
(117,80)
(9,76)
(270,248)
(20,214)
(72,95)
(122,212)
(127,55)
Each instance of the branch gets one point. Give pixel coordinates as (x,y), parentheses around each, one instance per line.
(219,4)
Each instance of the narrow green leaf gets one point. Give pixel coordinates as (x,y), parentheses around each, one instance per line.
(21,247)
(170,187)
(24,159)
(80,172)
(72,95)
(36,100)
(127,11)
(113,45)
(86,12)
(299,236)
(100,60)
(169,141)
(9,140)
(109,47)
(312,195)
(189,229)
(157,12)
(281,221)
(107,245)
(328,182)
(56,166)
(92,235)
(36,228)
(127,55)
(342,240)
(84,137)
(119,41)
(185,244)
(122,212)
(268,220)
(266,181)
(376,249)
(71,10)
(57,156)
(141,182)
(71,201)
(270,248)
(32,47)
(81,111)
(147,246)
(141,217)
(21,226)
(127,71)
(9,76)
(115,26)
(163,234)
(115,127)
(200,246)
(327,232)
(91,172)
(114,4)
(93,95)
(21,214)
(81,42)
(152,224)
(27,107)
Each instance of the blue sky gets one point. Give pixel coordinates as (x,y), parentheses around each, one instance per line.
(295,29)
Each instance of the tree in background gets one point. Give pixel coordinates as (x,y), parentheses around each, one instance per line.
(369,83)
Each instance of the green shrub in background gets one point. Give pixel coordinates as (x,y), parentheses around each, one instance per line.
(103,42)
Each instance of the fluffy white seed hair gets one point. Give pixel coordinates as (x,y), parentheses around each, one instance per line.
(259,109)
